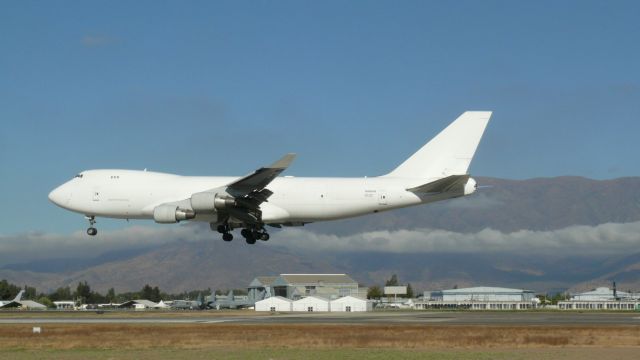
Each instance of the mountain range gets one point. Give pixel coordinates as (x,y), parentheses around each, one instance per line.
(536,205)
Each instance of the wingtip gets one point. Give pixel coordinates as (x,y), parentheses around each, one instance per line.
(284,162)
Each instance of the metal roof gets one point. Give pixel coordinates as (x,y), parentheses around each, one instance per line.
(314,279)
(603,291)
(29,304)
(263,281)
(273,298)
(144,302)
(311,298)
(349,298)
(485,290)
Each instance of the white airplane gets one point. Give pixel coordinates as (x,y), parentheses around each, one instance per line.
(437,171)
(16,299)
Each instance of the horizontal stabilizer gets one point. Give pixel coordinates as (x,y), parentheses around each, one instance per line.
(453,183)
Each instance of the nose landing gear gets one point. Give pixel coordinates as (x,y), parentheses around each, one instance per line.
(91,231)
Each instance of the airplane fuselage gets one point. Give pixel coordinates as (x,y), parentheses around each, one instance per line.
(131,194)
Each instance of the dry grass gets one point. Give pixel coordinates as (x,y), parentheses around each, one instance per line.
(321,337)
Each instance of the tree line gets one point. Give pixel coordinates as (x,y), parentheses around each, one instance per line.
(377,292)
(84,294)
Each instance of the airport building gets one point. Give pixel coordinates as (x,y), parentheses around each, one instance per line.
(314,304)
(311,304)
(479,298)
(261,288)
(602,298)
(139,304)
(64,305)
(350,304)
(297,286)
(23,305)
(308,293)
(273,304)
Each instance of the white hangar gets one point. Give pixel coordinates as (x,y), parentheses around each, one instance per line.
(311,304)
(350,304)
(273,304)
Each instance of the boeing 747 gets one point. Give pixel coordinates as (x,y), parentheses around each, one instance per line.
(437,171)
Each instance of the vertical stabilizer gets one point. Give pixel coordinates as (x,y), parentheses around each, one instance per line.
(19,296)
(449,153)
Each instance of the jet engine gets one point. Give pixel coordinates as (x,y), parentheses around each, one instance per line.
(203,202)
(208,202)
(169,214)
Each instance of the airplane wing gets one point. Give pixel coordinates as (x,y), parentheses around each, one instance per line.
(261,177)
(453,183)
(250,191)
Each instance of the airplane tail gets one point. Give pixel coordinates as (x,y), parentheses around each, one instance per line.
(19,296)
(449,153)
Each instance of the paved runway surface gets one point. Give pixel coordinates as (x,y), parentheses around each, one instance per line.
(417,317)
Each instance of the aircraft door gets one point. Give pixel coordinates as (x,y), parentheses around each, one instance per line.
(96,194)
(382,197)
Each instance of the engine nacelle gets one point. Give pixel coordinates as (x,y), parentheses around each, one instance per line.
(210,202)
(203,202)
(470,187)
(224,202)
(170,214)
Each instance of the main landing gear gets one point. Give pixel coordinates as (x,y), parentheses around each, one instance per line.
(225,230)
(91,231)
(251,236)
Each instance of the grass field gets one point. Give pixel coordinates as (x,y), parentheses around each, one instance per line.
(303,341)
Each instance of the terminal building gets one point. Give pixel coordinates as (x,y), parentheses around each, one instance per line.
(602,298)
(479,298)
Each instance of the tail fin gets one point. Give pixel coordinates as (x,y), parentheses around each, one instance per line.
(19,296)
(450,152)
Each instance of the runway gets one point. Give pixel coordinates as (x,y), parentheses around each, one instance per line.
(542,318)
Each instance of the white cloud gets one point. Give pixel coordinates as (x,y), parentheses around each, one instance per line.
(33,246)
(583,240)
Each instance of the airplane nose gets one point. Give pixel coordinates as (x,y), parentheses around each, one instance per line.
(57,196)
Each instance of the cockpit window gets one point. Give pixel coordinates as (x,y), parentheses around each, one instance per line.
(78,176)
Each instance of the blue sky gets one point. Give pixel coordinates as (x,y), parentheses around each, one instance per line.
(354,87)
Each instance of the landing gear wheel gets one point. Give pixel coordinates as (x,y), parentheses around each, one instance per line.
(248,236)
(227,236)
(222,229)
(264,237)
(91,231)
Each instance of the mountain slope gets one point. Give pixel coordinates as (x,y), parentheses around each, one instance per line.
(509,205)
